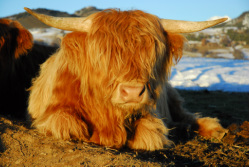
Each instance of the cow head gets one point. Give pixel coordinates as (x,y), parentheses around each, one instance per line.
(123,58)
(14,38)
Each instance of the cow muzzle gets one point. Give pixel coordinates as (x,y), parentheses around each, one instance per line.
(130,93)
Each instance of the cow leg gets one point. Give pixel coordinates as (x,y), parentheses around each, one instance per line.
(175,105)
(207,127)
(211,128)
(150,134)
(62,122)
(109,135)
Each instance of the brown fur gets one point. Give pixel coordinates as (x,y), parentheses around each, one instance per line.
(75,94)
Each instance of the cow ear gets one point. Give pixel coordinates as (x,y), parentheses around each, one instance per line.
(24,42)
(175,45)
(3,31)
(73,42)
(2,41)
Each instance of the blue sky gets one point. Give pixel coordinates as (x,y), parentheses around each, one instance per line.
(192,10)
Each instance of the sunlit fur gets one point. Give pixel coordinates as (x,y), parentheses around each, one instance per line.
(73,96)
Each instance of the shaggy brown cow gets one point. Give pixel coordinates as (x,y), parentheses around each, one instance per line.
(19,63)
(108,83)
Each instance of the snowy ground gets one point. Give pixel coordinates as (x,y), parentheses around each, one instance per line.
(211,74)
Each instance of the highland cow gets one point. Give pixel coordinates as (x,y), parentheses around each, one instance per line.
(19,63)
(108,82)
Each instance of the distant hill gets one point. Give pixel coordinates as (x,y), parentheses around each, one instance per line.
(241,21)
(87,11)
(29,21)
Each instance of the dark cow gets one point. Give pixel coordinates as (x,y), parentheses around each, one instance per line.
(20,61)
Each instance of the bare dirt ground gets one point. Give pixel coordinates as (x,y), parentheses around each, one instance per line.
(22,146)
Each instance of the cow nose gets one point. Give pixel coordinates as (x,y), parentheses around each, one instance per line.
(131,94)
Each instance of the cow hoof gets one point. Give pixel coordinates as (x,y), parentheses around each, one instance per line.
(211,128)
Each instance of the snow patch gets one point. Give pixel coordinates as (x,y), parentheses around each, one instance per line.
(211,74)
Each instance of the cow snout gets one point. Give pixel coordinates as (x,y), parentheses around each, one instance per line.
(131,94)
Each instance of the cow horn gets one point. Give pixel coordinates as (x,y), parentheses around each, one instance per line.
(179,26)
(65,23)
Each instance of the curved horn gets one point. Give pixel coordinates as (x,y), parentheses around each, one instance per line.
(65,23)
(179,26)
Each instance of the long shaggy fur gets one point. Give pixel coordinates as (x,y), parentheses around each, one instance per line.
(73,95)
(19,63)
